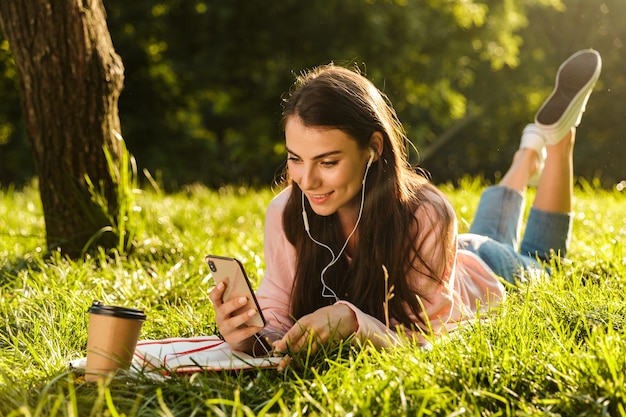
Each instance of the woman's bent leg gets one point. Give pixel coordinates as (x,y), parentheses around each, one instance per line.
(547,233)
(549,225)
(499,215)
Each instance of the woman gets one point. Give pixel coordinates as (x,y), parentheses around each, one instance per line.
(360,244)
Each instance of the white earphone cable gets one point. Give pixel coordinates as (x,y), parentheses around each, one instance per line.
(328,292)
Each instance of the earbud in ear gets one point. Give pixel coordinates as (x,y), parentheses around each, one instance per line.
(369,163)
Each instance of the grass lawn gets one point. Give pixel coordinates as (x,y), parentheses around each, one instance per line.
(556,346)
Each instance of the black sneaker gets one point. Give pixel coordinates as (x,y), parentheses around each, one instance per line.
(565,106)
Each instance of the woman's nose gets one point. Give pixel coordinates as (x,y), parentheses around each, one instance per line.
(309,179)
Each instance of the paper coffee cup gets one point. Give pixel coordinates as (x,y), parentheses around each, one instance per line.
(112,338)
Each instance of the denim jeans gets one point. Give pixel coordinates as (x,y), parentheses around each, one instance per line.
(495,233)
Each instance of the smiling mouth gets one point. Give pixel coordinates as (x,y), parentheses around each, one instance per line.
(318,197)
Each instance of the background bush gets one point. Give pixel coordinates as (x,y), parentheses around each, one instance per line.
(204,80)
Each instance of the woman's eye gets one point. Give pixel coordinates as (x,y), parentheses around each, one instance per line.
(329,163)
(293,159)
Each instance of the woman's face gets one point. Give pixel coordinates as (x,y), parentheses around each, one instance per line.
(328,165)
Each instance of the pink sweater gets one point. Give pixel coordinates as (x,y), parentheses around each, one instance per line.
(467,281)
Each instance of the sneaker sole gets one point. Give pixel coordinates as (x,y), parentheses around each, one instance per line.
(572,77)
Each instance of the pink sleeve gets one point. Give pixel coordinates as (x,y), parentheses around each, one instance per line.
(274,292)
(372,330)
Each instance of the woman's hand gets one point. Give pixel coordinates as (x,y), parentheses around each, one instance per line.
(336,322)
(232,326)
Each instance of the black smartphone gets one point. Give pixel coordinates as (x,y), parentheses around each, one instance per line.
(238,285)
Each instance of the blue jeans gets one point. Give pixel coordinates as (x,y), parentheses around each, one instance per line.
(495,233)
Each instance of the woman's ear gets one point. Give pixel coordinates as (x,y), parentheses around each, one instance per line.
(376,143)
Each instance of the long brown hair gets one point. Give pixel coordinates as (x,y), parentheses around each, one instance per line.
(340,98)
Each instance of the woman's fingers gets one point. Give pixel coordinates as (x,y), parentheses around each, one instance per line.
(225,310)
(328,323)
(284,362)
(229,320)
(227,314)
(217,293)
(296,339)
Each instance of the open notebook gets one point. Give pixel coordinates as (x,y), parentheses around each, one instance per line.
(186,355)
(195,354)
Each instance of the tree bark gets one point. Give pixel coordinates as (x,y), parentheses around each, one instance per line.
(70,79)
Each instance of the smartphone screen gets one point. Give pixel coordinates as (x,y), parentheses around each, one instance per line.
(238,285)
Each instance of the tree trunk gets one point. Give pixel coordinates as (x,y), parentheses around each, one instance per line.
(70,79)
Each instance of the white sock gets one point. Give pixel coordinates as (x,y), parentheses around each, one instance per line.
(533,139)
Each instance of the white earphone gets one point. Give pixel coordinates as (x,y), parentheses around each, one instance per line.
(327,292)
(369,163)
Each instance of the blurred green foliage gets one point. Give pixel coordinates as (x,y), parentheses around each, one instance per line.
(204,80)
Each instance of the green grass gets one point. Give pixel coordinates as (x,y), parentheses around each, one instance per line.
(555,347)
